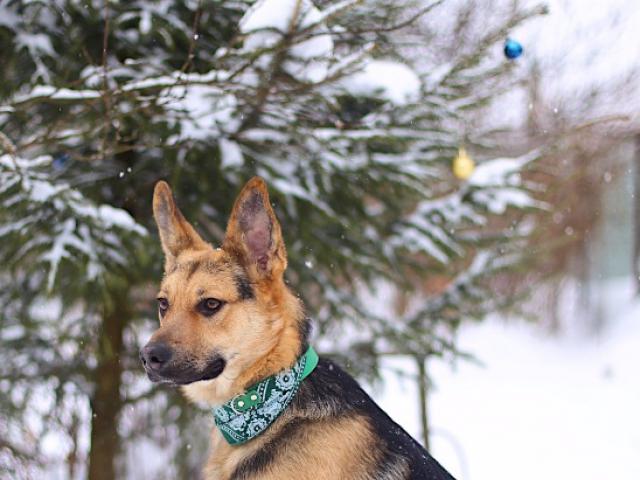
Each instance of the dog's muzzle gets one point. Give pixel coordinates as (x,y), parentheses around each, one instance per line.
(163,365)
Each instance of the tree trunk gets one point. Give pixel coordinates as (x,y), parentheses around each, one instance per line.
(422,393)
(73,457)
(106,402)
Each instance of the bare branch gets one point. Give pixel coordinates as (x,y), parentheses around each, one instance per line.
(105,78)
(398,26)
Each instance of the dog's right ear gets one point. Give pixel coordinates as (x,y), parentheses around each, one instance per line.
(253,233)
(176,234)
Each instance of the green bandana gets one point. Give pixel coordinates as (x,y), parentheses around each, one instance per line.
(249,414)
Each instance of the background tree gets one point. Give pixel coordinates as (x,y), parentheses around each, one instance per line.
(351,110)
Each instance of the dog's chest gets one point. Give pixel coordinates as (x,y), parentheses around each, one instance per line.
(224,458)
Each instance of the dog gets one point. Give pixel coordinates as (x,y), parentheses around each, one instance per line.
(233,336)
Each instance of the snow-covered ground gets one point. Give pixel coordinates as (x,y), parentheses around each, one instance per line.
(547,407)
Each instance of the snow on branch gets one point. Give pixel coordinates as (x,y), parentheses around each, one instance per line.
(269,23)
(389,80)
(494,186)
(48,92)
(56,222)
(176,78)
(336,9)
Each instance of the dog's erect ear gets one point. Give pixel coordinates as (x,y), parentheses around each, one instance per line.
(176,234)
(254,235)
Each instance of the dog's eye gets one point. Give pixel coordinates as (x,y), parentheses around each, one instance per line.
(163,306)
(209,306)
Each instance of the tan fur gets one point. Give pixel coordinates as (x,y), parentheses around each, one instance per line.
(257,337)
(315,456)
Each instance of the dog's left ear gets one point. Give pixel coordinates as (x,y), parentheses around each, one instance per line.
(253,233)
(176,234)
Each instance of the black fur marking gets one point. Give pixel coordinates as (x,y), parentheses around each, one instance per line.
(331,387)
(257,463)
(245,291)
(192,268)
(328,394)
(173,269)
(304,330)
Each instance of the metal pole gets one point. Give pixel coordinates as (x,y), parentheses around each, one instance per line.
(422,393)
(636,214)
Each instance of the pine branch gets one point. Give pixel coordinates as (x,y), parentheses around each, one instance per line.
(398,26)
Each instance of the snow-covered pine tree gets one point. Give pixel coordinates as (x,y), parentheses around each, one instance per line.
(352,112)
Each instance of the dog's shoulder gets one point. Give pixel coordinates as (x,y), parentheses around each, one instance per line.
(333,428)
(331,392)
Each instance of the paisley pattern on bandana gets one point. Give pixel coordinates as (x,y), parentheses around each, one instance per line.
(249,414)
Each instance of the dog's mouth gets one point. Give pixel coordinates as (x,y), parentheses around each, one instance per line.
(185,373)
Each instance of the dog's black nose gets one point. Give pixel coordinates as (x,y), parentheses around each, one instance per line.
(155,355)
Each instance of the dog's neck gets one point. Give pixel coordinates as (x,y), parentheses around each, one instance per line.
(291,341)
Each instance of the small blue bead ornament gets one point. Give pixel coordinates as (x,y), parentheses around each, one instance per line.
(512,49)
(60,161)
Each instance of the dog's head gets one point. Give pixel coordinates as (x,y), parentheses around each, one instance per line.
(226,315)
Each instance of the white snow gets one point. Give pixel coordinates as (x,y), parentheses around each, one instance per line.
(36,43)
(48,91)
(537,407)
(46,309)
(275,14)
(80,229)
(8,18)
(201,110)
(265,23)
(230,153)
(386,79)
(500,171)
(584,38)
(579,45)
(314,54)
(360,134)
(145,22)
(176,82)
(116,217)
(501,184)
(12,332)
(41,191)
(62,246)
(419,241)
(495,185)
(176,78)
(337,8)
(498,200)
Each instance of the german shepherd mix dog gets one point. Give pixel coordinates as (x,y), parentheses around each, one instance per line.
(234,337)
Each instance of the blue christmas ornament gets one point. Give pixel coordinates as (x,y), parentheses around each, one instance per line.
(60,161)
(512,49)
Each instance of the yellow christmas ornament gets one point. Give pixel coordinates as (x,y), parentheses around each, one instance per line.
(463,165)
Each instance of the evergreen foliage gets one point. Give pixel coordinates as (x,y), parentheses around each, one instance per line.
(347,109)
